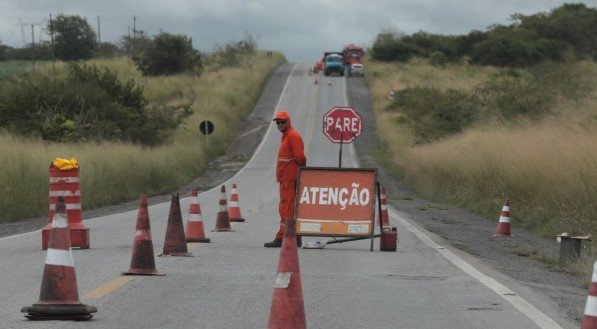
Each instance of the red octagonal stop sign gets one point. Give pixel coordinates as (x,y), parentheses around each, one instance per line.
(342,123)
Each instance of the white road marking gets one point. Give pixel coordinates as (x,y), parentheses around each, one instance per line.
(542,320)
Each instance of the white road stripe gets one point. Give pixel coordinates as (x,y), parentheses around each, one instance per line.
(542,320)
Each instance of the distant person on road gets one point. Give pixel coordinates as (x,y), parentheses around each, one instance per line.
(291,156)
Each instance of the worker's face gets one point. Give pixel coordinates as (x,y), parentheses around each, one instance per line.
(282,125)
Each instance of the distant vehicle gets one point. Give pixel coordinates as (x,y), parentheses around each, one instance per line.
(352,54)
(334,62)
(357,69)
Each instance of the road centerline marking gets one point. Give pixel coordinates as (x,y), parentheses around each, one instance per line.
(108,287)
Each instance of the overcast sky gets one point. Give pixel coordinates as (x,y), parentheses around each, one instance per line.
(301,29)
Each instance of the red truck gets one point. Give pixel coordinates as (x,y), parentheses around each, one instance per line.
(353,59)
(353,54)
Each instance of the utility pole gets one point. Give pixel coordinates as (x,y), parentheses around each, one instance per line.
(52,44)
(33,46)
(99,35)
(134,27)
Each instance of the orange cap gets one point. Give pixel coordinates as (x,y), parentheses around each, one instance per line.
(282,115)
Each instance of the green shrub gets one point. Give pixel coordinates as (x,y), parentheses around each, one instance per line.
(389,51)
(438,58)
(432,114)
(87,105)
(169,54)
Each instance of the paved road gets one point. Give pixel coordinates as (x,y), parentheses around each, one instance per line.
(228,284)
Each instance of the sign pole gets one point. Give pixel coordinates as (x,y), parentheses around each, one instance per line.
(340,156)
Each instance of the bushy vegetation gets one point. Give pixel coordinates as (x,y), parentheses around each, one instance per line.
(74,39)
(432,114)
(508,96)
(569,31)
(533,139)
(168,54)
(116,171)
(86,105)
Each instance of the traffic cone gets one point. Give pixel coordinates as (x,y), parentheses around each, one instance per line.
(234,206)
(195,232)
(59,296)
(503,228)
(223,221)
(287,309)
(175,243)
(142,260)
(384,209)
(589,320)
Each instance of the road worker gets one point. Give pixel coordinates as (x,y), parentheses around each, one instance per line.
(291,156)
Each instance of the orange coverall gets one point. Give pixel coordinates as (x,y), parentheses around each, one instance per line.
(291,155)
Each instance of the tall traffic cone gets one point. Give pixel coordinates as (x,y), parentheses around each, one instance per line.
(195,232)
(142,260)
(385,221)
(503,228)
(234,206)
(287,309)
(223,221)
(175,243)
(59,296)
(589,320)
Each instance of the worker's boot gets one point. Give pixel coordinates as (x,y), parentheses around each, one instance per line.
(277,243)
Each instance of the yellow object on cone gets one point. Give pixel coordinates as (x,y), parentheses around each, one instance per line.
(65,164)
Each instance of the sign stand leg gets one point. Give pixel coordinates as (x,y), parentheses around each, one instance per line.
(340,157)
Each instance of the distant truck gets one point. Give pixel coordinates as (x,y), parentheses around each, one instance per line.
(353,54)
(333,63)
(353,59)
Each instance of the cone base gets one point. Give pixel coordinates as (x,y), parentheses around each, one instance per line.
(182,254)
(222,230)
(237,220)
(143,272)
(204,240)
(43,312)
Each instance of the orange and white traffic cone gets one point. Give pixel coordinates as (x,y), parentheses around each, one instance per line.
(589,320)
(175,243)
(223,221)
(288,309)
(195,232)
(142,260)
(385,221)
(59,295)
(234,206)
(503,228)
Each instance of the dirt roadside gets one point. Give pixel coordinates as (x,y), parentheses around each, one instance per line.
(462,229)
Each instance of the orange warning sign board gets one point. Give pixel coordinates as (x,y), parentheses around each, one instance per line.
(335,201)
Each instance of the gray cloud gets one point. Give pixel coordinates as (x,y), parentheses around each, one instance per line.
(301,29)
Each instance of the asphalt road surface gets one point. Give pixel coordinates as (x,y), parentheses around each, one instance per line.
(229,282)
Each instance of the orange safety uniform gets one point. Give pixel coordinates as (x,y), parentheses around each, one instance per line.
(291,156)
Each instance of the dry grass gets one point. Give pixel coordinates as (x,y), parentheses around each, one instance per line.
(547,168)
(114,172)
